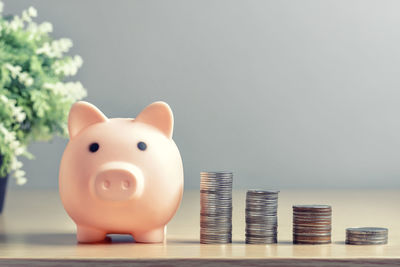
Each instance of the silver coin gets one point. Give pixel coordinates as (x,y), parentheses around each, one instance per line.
(216,189)
(216,207)
(363,230)
(259,242)
(366,239)
(369,242)
(216,173)
(259,203)
(260,211)
(270,239)
(254,228)
(261,216)
(261,191)
(312,242)
(215,237)
(313,206)
(312,215)
(311,234)
(260,233)
(255,201)
(260,238)
(367,234)
(262,222)
(215,231)
(262,228)
(216,225)
(256,236)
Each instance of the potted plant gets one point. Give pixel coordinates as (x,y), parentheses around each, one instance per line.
(34,96)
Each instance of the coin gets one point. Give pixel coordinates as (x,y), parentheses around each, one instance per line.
(367,236)
(261,216)
(216,207)
(312,224)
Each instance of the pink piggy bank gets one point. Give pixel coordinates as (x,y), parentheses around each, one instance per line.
(121,176)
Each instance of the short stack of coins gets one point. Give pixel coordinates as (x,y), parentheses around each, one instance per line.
(216,207)
(312,224)
(261,217)
(367,236)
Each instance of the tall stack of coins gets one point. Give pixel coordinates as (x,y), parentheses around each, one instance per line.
(312,224)
(261,217)
(216,207)
(367,236)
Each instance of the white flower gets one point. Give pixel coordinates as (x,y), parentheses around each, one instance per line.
(16,111)
(45,49)
(21,180)
(27,15)
(68,67)
(15,70)
(19,173)
(64,43)
(23,77)
(15,24)
(28,81)
(46,27)
(32,11)
(78,61)
(15,164)
(10,140)
(19,114)
(70,90)
(8,136)
(20,176)
(19,151)
(14,145)
(56,48)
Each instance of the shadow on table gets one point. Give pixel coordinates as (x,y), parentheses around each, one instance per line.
(63,239)
(68,239)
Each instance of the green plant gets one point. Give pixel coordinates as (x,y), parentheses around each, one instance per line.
(34,97)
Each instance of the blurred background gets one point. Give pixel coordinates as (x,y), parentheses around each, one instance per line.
(287,94)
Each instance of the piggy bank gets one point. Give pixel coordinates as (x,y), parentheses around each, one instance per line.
(121,176)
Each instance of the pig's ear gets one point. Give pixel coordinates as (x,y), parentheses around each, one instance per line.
(159,115)
(81,115)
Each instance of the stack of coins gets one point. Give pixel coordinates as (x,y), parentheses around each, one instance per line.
(367,236)
(312,224)
(216,207)
(261,217)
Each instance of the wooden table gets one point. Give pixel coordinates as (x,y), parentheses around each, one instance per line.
(35,230)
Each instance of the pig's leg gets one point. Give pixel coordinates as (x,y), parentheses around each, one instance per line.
(153,236)
(89,235)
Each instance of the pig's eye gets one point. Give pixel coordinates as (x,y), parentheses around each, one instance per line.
(94,147)
(142,146)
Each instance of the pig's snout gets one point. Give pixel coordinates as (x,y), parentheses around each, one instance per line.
(118,181)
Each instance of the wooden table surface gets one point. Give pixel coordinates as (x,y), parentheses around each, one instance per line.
(35,230)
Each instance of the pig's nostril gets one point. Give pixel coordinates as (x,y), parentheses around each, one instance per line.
(126,184)
(106,184)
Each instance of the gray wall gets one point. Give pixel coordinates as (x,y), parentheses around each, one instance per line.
(284,93)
